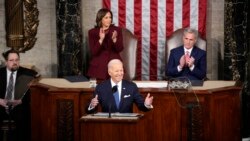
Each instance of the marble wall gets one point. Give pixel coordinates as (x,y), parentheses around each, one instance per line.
(44,53)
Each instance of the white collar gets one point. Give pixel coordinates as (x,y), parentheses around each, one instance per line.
(119,84)
(189,50)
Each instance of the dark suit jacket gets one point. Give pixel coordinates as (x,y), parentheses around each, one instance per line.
(199,71)
(102,54)
(129,95)
(23,77)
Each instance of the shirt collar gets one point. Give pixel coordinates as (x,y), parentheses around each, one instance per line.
(113,83)
(9,72)
(189,50)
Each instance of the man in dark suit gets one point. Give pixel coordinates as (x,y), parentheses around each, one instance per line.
(15,96)
(127,93)
(187,60)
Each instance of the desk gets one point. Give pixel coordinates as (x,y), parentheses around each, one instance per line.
(94,128)
(57,109)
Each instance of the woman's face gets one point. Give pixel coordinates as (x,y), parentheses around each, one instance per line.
(106,20)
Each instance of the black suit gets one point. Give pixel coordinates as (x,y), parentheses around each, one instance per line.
(129,95)
(21,113)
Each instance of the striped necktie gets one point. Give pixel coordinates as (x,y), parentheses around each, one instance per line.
(10,87)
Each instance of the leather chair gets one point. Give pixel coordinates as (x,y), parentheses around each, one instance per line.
(175,40)
(128,54)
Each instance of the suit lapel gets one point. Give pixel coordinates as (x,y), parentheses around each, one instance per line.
(112,99)
(123,93)
(194,52)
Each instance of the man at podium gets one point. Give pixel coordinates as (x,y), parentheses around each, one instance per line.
(117,94)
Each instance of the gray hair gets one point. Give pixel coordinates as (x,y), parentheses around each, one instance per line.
(114,61)
(192,31)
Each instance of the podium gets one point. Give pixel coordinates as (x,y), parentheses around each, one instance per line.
(58,107)
(102,127)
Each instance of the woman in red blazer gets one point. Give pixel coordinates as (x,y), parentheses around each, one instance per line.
(105,43)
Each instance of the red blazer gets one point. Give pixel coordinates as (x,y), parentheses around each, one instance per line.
(102,54)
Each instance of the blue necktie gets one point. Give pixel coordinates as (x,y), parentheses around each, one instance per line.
(116,95)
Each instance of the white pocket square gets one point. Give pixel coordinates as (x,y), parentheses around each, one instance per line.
(125,96)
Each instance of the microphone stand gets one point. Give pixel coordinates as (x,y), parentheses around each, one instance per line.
(109,110)
(190,121)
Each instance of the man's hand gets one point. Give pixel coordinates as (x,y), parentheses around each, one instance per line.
(191,62)
(3,103)
(182,61)
(14,103)
(149,100)
(94,102)
(114,36)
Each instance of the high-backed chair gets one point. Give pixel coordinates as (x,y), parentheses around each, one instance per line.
(128,54)
(175,40)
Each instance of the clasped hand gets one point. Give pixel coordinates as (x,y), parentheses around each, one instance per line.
(5,103)
(186,62)
(102,35)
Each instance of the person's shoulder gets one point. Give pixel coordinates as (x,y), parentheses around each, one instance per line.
(179,48)
(93,30)
(2,70)
(128,83)
(199,50)
(103,84)
(113,27)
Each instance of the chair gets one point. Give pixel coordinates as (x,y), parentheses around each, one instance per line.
(175,40)
(128,54)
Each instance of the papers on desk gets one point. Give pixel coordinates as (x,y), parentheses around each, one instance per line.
(101,114)
(151,84)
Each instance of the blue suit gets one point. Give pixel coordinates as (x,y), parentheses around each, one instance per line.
(129,95)
(199,71)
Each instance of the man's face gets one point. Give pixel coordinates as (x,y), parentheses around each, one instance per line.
(106,20)
(12,63)
(189,40)
(116,72)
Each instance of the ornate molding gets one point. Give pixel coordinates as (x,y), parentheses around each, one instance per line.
(31,23)
(65,120)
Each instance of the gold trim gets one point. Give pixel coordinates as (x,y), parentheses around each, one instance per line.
(31,23)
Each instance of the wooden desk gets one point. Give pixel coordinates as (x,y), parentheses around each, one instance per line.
(57,109)
(111,129)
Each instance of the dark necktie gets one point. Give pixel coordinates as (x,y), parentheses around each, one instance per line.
(10,88)
(116,95)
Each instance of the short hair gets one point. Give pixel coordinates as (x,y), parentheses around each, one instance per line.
(100,14)
(114,61)
(6,54)
(192,31)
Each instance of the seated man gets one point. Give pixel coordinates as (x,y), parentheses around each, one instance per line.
(187,60)
(117,94)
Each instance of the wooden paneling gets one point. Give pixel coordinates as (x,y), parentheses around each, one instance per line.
(216,119)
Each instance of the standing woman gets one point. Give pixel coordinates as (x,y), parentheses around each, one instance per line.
(105,43)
